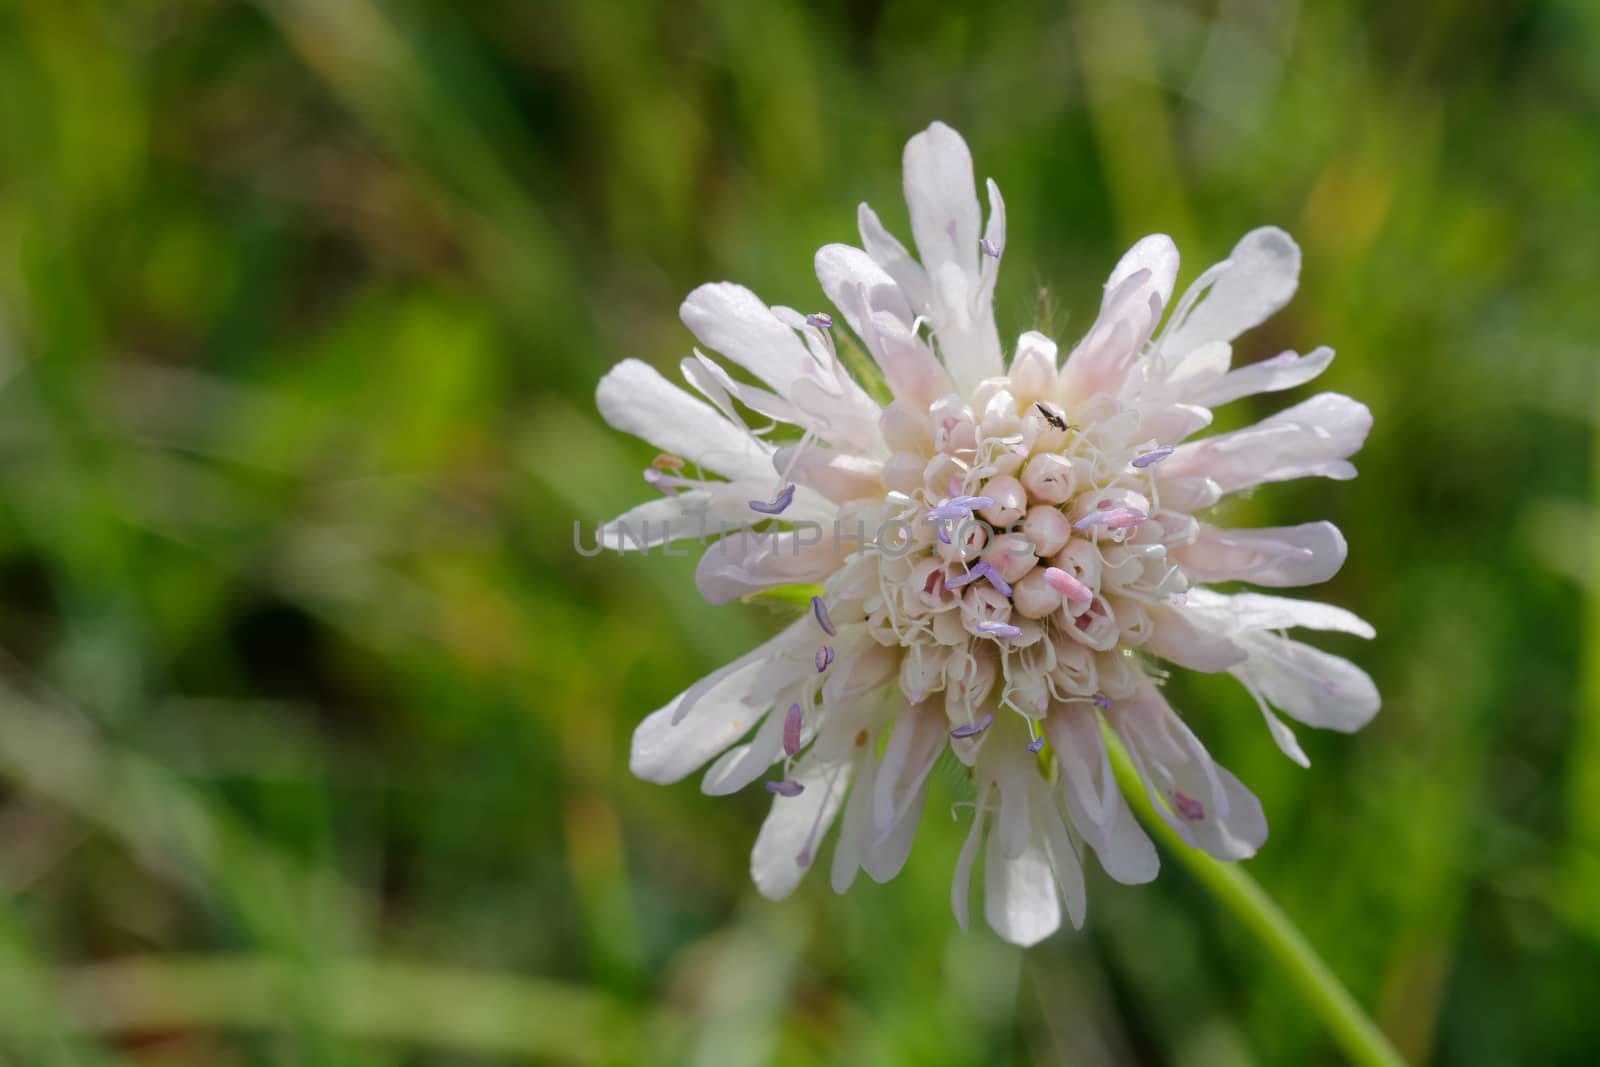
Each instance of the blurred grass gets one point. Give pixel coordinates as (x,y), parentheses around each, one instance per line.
(301,309)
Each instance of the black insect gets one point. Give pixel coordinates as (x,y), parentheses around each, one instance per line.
(1050,416)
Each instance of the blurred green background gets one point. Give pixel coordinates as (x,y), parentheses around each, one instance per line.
(314,727)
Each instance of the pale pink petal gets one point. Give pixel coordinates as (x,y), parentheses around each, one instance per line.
(855,829)
(790,838)
(914,744)
(876,309)
(636,399)
(892,256)
(1259,611)
(961,880)
(1191,640)
(1307,684)
(743,764)
(1094,802)
(1258,277)
(735,322)
(1063,858)
(748,561)
(1271,556)
(942,198)
(1312,438)
(1283,371)
(1203,803)
(716,711)
(1135,295)
(1019,892)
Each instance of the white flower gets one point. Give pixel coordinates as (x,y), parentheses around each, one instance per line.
(1030,545)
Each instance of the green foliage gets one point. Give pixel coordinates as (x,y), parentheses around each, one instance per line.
(314,727)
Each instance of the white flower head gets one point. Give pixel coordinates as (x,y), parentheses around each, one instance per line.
(1002,553)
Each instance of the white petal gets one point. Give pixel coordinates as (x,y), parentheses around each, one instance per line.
(855,829)
(1020,898)
(1259,277)
(661,521)
(795,824)
(1012,829)
(1312,438)
(718,386)
(714,712)
(1191,640)
(914,745)
(1155,253)
(1283,371)
(743,764)
(848,273)
(1272,556)
(734,321)
(1177,770)
(1097,807)
(836,475)
(1259,611)
(1311,686)
(1282,736)
(636,399)
(1135,294)
(876,308)
(1063,859)
(942,198)
(892,256)
(961,880)
(748,561)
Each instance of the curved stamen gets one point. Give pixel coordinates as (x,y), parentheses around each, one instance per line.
(778,504)
(1152,457)
(820,610)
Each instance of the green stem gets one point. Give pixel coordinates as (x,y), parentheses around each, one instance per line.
(1356,1034)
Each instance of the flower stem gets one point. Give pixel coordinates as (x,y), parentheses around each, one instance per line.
(1352,1030)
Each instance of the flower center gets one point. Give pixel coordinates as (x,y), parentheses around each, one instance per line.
(1038,543)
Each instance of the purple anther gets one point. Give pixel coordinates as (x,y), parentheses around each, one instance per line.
(945,512)
(824,658)
(1101,701)
(1089,521)
(778,505)
(1152,457)
(988,571)
(786,788)
(998,629)
(1188,806)
(820,610)
(989,248)
(964,579)
(944,534)
(791,730)
(973,729)
(821,320)
(1036,744)
(973,503)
